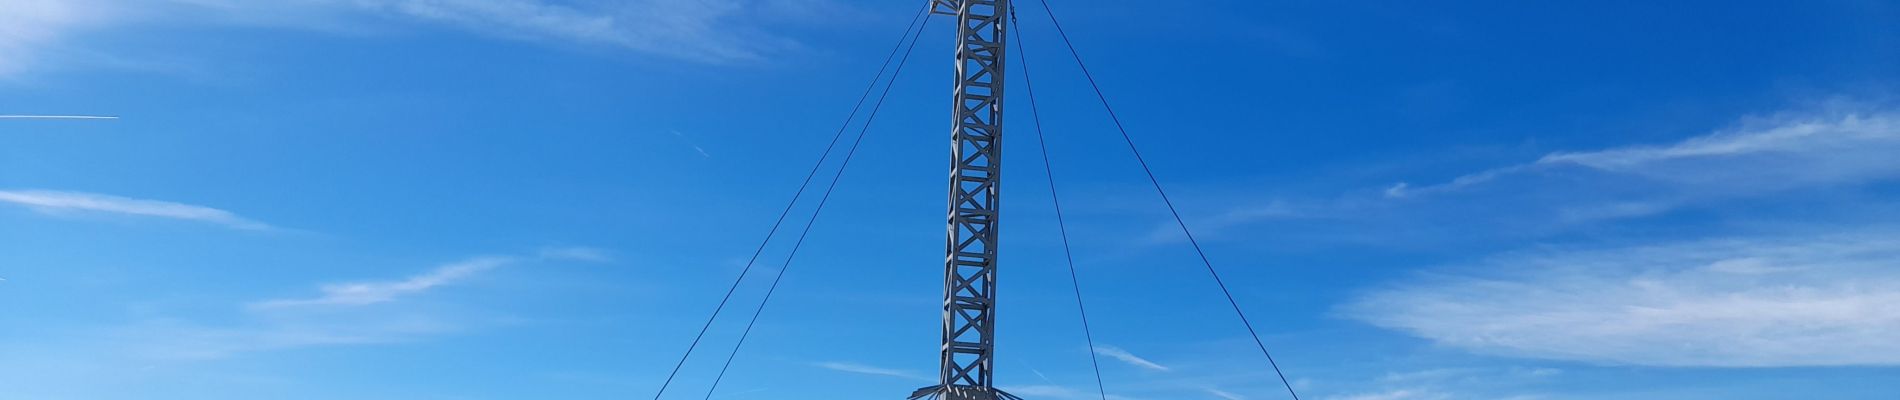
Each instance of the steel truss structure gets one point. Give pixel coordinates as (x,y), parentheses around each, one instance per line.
(969,303)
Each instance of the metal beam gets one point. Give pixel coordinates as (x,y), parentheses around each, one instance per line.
(969,302)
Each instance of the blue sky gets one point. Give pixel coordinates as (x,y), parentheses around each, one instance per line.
(463,199)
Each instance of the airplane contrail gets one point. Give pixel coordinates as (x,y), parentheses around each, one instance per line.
(57,117)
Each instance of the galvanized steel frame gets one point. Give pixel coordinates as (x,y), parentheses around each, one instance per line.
(969,314)
(969,305)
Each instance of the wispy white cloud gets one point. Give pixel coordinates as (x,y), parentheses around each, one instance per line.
(1808,300)
(1427,375)
(871,370)
(1537,372)
(1038,372)
(1399,394)
(1054,391)
(177,340)
(695,146)
(333,318)
(1791,150)
(29,28)
(575,253)
(708,31)
(1214,226)
(366,293)
(1223,394)
(57,202)
(58,117)
(1803,135)
(691,29)
(1044,391)
(1130,358)
(1821,158)
(1404,189)
(1461,382)
(373,292)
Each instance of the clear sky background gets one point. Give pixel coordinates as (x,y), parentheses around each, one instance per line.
(510,199)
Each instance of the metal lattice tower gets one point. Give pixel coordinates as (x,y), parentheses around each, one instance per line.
(969,303)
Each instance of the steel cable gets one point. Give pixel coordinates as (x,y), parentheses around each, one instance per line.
(1166,200)
(908,29)
(814,216)
(1062,226)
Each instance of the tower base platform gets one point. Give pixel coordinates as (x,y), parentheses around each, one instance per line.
(961,392)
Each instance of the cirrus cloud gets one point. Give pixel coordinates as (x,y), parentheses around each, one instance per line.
(1777,301)
(366,293)
(1130,358)
(857,368)
(35,33)
(59,202)
(1762,154)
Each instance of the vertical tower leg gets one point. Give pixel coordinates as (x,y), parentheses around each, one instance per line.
(969,303)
